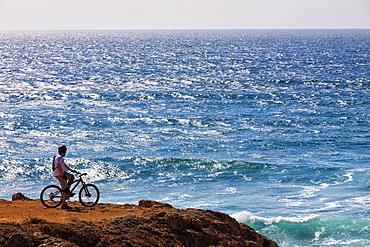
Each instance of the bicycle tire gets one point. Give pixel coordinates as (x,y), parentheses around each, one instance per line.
(89,195)
(51,196)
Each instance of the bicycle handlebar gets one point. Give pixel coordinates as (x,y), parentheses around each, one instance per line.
(79,173)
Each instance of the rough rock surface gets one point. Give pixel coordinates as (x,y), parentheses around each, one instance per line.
(20,196)
(148,224)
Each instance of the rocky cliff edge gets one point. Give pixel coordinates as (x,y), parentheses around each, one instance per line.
(25,223)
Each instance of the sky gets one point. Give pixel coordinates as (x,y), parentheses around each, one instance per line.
(182,14)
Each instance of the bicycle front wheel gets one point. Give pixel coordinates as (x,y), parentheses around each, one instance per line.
(51,196)
(89,195)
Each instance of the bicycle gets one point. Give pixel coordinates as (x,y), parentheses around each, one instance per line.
(51,195)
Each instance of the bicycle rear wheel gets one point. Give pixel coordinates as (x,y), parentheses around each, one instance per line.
(51,196)
(89,195)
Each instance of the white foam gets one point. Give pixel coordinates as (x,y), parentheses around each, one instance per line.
(359,201)
(231,190)
(330,205)
(183,96)
(309,191)
(349,175)
(246,216)
(352,242)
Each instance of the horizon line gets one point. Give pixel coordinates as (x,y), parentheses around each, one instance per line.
(183,29)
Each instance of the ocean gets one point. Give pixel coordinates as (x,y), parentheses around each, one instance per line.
(268,126)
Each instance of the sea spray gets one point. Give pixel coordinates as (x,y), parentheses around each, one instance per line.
(312,230)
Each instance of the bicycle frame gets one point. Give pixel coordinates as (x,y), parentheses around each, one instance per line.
(76,183)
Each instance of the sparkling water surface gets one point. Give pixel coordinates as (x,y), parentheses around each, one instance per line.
(269,126)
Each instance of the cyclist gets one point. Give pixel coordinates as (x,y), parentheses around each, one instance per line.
(60,173)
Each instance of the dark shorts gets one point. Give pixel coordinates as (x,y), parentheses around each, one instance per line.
(62,181)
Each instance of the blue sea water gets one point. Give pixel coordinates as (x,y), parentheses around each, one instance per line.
(269,126)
